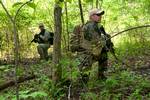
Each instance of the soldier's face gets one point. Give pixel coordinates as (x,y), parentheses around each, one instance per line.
(97,18)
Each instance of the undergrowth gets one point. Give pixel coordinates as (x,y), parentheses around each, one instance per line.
(120,84)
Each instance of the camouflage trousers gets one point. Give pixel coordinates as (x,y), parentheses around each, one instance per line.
(86,60)
(43,50)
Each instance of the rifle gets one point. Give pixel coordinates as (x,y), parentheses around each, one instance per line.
(110,46)
(37,39)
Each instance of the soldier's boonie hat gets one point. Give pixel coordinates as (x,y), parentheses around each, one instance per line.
(41,25)
(96,11)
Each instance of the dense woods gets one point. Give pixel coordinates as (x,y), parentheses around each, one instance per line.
(23,76)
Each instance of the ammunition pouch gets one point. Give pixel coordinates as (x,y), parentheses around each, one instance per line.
(97,49)
(94,48)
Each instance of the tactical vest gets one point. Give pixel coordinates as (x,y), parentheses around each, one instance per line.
(81,40)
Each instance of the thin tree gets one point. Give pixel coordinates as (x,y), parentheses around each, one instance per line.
(97,2)
(57,42)
(81,11)
(100,4)
(16,42)
(66,10)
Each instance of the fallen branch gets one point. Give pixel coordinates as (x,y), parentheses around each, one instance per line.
(12,82)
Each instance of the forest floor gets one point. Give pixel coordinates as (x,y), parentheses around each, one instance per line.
(140,64)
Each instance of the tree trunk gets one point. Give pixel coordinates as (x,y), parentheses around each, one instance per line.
(57,43)
(68,38)
(97,3)
(100,6)
(8,43)
(64,38)
(16,42)
(16,52)
(81,11)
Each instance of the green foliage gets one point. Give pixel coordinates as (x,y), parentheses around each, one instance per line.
(5,68)
(2,97)
(136,95)
(53,90)
(89,96)
(17,4)
(130,81)
(131,44)
(70,69)
(33,95)
(68,1)
(87,1)
(59,3)
(111,83)
(106,95)
(32,5)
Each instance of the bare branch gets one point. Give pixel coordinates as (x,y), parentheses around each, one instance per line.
(132,28)
(9,16)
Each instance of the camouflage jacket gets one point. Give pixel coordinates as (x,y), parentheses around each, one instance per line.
(91,31)
(87,37)
(92,38)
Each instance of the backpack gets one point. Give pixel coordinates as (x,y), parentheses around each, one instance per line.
(51,39)
(79,43)
(75,39)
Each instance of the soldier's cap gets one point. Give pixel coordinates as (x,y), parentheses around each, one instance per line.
(41,25)
(96,11)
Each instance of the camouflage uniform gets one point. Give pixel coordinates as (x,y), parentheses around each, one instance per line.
(94,39)
(43,47)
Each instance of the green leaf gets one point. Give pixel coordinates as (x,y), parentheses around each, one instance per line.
(59,3)
(24,96)
(17,4)
(2,97)
(58,91)
(75,74)
(38,94)
(61,0)
(110,83)
(24,92)
(56,1)
(69,1)
(2,68)
(32,5)
(87,1)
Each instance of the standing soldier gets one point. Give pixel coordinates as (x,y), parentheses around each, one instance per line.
(93,44)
